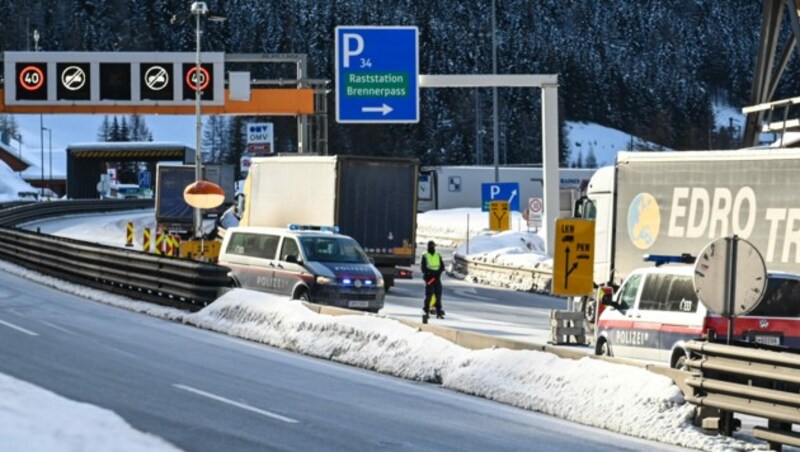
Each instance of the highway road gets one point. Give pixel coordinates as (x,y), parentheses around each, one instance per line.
(205,391)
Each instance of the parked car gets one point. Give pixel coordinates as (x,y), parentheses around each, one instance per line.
(656,311)
(126,191)
(320,266)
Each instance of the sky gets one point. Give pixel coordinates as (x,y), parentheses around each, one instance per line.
(68,129)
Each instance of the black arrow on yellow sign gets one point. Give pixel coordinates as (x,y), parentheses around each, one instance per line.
(567,268)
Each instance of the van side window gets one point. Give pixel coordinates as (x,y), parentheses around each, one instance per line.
(262,246)
(682,297)
(654,292)
(289,248)
(781,299)
(628,297)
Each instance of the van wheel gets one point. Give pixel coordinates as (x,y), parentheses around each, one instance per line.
(602,348)
(679,360)
(302,295)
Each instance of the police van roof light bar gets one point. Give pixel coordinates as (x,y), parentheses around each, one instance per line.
(306,227)
(661,259)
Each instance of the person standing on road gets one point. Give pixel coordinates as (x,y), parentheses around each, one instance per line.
(432,269)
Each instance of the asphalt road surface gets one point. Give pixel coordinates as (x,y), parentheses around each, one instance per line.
(204,391)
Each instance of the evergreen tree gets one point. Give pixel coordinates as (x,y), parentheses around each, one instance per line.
(104,132)
(591,160)
(138,129)
(124,130)
(115,134)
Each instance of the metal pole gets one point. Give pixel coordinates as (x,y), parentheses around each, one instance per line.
(495,125)
(50,146)
(198,159)
(41,142)
(730,289)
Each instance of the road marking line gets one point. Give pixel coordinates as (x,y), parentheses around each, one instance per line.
(237,404)
(18,328)
(53,325)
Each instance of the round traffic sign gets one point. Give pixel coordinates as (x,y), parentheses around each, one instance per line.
(535,205)
(31,78)
(156,78)
(711,276)
(204,78)
(73,78)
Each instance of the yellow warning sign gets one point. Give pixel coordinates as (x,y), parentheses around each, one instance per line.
(499,216)
(202,250)
(573,260)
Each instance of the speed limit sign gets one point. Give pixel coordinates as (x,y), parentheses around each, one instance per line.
(535,212)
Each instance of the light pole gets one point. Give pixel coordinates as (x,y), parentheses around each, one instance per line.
(50,154)
(201,194)
(494,95)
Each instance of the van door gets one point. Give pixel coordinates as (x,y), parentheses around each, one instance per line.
(251,256)
(649,317)
(680,319)
(618,323)
(288,270)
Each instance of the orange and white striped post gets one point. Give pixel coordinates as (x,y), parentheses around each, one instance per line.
(146,240)
(129,235)
(159,248)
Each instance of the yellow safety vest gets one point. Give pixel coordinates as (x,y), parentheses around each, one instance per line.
(434,261)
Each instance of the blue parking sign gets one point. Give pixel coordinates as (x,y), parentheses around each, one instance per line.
(145,180)
(502,191)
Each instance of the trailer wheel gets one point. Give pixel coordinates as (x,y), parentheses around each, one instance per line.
(678,360)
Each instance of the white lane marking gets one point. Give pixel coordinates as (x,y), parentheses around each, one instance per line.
(237,404)
(18,328)
(54,326)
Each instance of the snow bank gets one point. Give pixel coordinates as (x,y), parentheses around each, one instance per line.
(618,398)
(34,419)
(11,184)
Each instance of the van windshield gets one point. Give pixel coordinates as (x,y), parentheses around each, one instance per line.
(781,299)
(333,249)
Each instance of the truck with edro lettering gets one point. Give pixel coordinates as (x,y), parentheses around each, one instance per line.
(670,203)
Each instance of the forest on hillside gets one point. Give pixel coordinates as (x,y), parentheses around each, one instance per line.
(649,68)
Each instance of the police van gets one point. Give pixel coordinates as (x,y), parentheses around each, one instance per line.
(311,264)
(656,311)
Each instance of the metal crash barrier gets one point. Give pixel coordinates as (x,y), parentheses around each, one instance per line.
(167,281)
(751,380)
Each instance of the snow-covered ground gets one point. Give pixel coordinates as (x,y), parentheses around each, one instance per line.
(11,184)
(614,397)
(33,419)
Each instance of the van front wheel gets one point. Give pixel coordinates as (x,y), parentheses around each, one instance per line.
(302,295)
(602,348)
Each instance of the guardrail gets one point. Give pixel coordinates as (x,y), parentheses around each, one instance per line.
(168,281)
(18,214)
(748,379)
(520,278)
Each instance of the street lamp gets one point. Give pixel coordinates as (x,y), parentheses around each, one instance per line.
(50,153)
(201,194)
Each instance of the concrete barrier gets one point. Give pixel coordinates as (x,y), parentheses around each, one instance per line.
(478,341)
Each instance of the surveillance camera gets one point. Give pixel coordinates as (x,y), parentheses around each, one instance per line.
(199,8)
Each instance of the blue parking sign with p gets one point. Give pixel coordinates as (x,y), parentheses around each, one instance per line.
(502,191)
(144,179)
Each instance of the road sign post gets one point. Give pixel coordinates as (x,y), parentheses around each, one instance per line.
(377,74)
(573,260)
(499,216)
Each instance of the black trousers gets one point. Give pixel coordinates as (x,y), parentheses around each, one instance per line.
(432,288)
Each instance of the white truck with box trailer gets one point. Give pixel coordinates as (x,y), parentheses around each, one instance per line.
(372,200)
(450,187)
(671,203)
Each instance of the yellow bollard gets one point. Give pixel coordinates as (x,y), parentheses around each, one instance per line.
(129,235)
(146,240)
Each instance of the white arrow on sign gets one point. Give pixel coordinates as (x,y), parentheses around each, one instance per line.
(513,195)
(385,109)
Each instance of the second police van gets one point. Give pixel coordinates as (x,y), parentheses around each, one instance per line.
(320,266)
(656,311)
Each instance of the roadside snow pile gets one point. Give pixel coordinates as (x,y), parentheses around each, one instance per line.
(11,184)
(448,227)
(526,266)
(618,398)
(34,419)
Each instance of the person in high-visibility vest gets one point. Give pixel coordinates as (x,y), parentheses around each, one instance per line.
(432,269)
